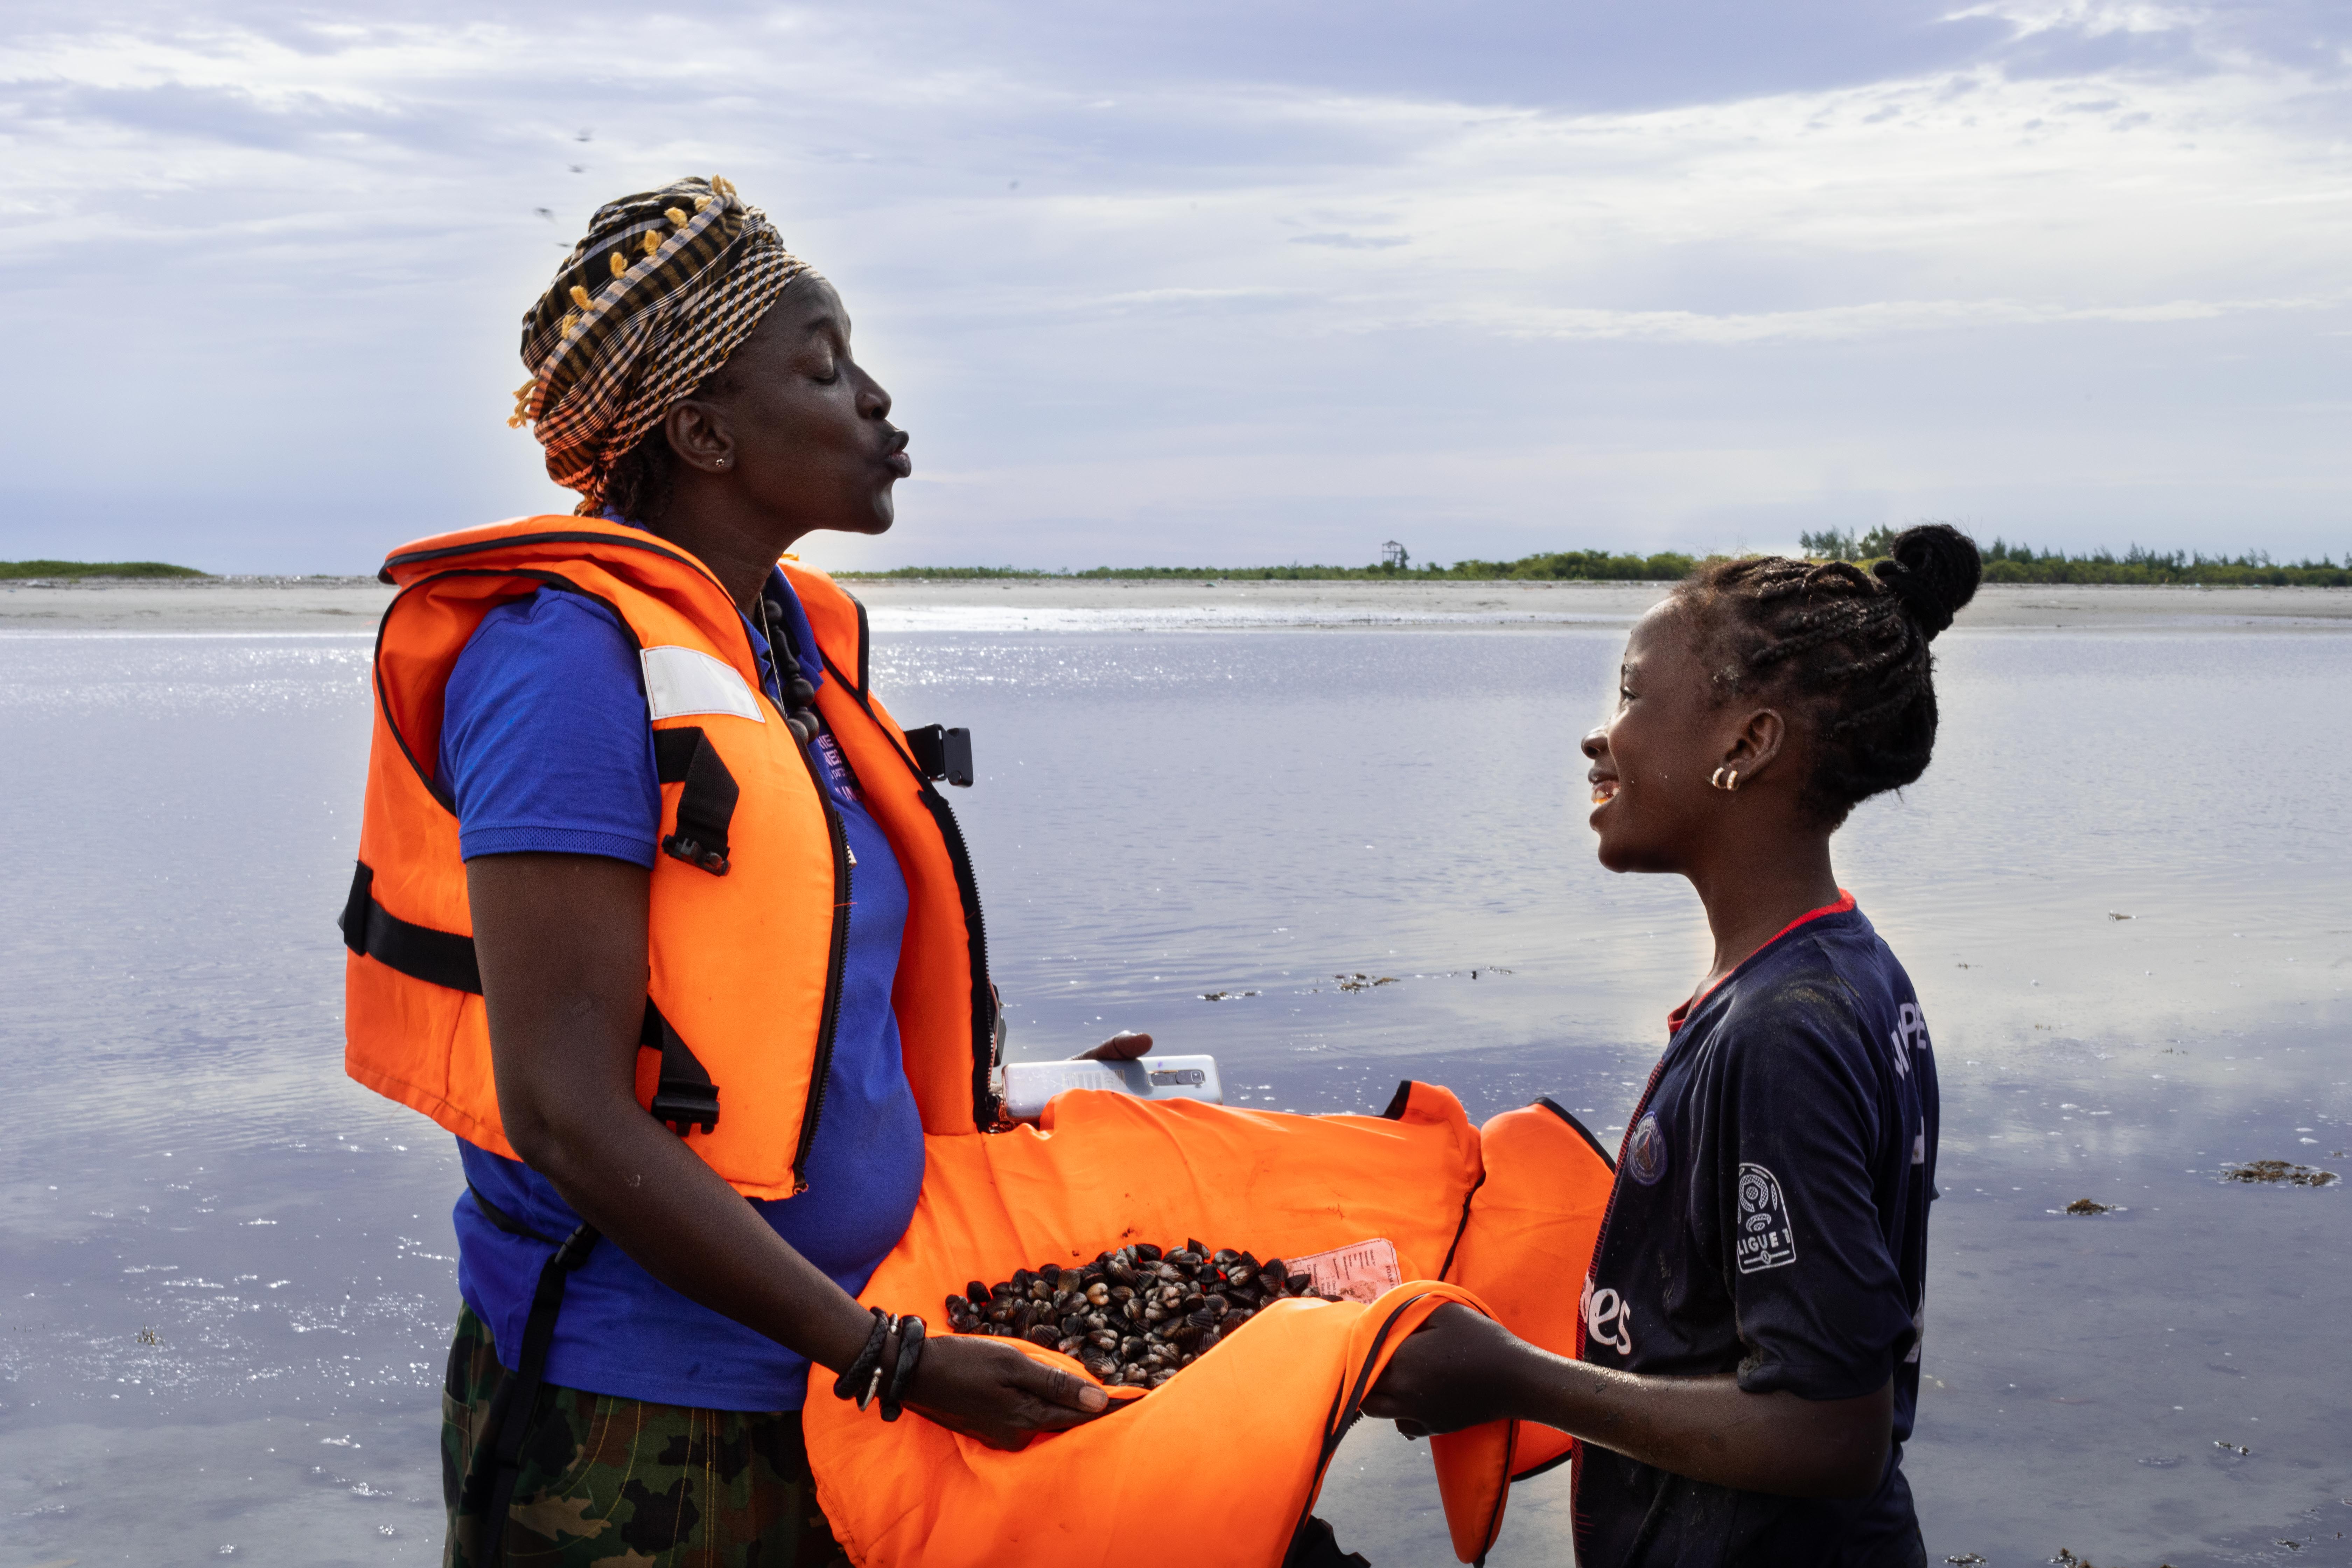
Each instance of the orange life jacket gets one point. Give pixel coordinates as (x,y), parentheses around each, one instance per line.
(749,905)
(1222,1462)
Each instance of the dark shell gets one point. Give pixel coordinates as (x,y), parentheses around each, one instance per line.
(1121,1271)
(1130,1347)
(1162,1376)
(1216,1307)
(1148,1253)
(1299,1283)
(1075,1323)
(1197,1248)
(1045,1334)
(1103,1338)
(1185,1259)
(976,1293)
(1225,1255)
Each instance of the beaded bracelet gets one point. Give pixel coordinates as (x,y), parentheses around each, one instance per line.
(902,1375)
(857,1377)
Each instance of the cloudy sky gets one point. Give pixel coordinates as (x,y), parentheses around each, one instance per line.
(1221,282)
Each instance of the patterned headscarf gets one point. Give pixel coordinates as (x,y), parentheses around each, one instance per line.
(662,289)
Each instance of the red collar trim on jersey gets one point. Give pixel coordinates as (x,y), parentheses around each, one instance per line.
(1845,903)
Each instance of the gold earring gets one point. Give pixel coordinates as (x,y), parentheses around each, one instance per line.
(1732,783)
(1717,779)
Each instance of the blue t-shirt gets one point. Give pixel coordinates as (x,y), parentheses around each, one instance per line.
(1769,1218)
(545,746)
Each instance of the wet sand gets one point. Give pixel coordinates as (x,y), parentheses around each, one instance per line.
(314,605)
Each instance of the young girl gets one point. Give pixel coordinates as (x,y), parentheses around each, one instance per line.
(1752,1316)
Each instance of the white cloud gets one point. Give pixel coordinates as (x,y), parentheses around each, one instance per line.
(1281,317)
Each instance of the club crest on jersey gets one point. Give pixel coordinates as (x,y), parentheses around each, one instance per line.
(1764,1239)
(1645,1152)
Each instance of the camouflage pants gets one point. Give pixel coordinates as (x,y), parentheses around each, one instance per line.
(626,1481)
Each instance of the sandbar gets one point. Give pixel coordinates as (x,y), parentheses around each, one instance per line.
(352,606)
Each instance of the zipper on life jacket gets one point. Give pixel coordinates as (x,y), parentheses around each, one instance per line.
(837,962)
(987,1102)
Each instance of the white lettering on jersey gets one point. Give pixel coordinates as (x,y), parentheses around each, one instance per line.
(1764,1238)
(1607,1319)
(1910,1034)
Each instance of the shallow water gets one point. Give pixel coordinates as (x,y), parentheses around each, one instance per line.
(227,1274)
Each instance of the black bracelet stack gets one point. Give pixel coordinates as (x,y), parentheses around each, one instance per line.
(860,1377)
(902,1374)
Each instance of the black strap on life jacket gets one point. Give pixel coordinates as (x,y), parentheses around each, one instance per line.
(437,957)
(686,1099)
(512,1407)
(706,806)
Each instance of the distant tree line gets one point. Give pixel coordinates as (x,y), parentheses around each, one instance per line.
(1566,566)
(2007,563)
(2004,563)
(18,570)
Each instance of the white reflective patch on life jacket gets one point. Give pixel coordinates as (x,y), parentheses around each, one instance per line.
(683,680)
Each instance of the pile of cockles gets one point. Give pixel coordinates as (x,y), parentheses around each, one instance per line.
(1134,1317)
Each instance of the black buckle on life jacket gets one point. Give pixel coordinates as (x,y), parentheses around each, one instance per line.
(706,806)
(685,1098)
(942,754)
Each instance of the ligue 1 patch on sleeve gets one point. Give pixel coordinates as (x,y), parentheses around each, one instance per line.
(1765,1240)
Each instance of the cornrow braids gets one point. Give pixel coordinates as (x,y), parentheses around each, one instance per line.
(1848,649)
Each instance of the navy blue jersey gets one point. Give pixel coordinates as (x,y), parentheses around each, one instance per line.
(1770,1219)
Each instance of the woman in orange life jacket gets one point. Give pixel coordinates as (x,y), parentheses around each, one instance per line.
(721,412)
(1751,1326)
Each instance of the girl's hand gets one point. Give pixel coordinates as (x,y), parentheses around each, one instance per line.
(1454,1372)
(997,1394)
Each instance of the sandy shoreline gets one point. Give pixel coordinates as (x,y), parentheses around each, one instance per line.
(352,606)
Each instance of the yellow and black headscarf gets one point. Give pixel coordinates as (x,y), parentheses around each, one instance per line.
(662,289)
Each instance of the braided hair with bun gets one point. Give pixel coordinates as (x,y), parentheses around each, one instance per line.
(1846,648)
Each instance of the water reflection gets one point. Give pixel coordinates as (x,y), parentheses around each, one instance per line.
(228,1269)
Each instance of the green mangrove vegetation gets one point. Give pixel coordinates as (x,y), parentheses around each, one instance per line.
(14,570)
(2004,563)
